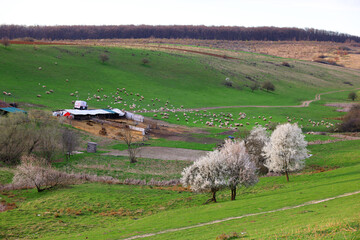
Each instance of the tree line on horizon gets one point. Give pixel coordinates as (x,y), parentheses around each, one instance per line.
(80,32)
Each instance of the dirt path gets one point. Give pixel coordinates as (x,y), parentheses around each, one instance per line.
(163,153)
(303,104)
(242,216)
(340,138)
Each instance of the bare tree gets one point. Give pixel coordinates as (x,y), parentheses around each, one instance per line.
(104,57)
(70,141)
(37,172)
(13,137)
(5,41)
(128,136)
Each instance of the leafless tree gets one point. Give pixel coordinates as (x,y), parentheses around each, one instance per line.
(128,136)
(70,141)
(104,57)
(5,41)
(37,172)
(13,137)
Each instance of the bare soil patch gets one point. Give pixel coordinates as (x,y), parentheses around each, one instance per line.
(164,153)
(342,107)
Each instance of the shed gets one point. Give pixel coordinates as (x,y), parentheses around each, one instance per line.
(6,108)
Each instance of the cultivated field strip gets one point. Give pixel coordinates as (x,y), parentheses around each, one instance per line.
(242,216)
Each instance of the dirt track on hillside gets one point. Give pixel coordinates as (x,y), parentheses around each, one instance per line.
(242,216)
(303,104)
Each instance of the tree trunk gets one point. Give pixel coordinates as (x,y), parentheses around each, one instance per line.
(213,195)
(233,193)
(287,176)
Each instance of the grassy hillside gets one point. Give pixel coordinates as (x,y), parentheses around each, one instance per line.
(118,211)
(191,80)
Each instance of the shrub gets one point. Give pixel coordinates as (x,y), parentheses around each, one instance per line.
(352,96)
(5,41)
(268,86)
(145,61)
(104,57)
(285,64)
(36,172)
(227,82)
(13,138)
(351,121)
(254,86)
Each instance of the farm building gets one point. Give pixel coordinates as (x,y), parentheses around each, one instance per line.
(6,108)
(88,114)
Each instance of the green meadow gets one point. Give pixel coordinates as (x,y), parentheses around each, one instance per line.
(178,80)
(96,210)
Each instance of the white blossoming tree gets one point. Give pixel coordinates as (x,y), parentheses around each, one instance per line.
(255,143)
(206,174)
(230,166)
(286,150)
(239,169)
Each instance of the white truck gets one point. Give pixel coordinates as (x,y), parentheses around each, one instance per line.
(82,105)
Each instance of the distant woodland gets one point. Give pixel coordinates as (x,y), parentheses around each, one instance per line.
(190,32)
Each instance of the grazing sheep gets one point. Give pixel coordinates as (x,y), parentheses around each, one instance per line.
(71,94)
(47,92)
(38,95)
(40,68)
(44,86)
(5,93)
(67,80)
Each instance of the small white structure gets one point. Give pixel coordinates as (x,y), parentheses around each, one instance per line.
(82,105)
(134,117)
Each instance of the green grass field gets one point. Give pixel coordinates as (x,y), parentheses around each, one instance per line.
(117,211)
(180,78)
(105,211)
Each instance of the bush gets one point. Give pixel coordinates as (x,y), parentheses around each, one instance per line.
(351,121)
(254,86)
(5,41)
(268,86)
(145,61)
(13,138)
(228,83)
(36,172)
(285,64)
(352,96)
(104,57)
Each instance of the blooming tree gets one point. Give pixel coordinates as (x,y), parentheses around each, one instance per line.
(286,150)
(255,143)
(206,174)
(239,169)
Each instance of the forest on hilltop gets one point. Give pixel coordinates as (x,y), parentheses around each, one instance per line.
(176,31)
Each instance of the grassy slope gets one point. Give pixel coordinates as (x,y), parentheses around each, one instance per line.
(183,79)
(151,210)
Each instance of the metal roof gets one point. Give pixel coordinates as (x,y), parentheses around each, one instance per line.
(12,110)
(94,112)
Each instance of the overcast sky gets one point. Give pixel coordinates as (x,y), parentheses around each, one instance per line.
(334,15)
